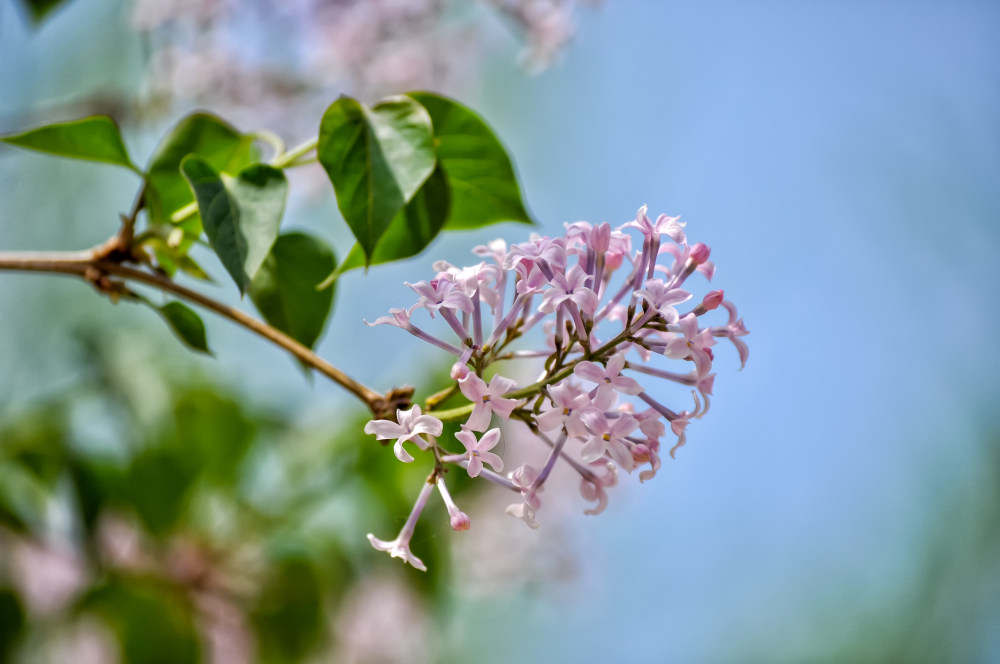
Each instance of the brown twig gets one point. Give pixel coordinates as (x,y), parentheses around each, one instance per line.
(94,265)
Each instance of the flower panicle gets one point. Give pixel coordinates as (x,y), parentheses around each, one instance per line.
(615,314)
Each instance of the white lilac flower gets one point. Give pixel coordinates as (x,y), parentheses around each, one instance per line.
(409,425)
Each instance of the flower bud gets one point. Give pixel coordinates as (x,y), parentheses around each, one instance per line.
(459,371)
(712,300)
(699,253)
(460,521)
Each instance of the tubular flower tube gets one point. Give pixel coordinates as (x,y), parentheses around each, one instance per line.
(400,547)
(610,345)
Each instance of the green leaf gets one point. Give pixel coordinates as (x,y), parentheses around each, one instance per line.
(186,324)
(284,290)
(288,616)
(484,188)
(222,146)
(39,10)
(241,215)
(13,620)
(94,139)
(377,159)
(157,486)
(22,498)
(153,621)
(416,225)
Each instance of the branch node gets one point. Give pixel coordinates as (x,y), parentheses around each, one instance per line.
(385,406)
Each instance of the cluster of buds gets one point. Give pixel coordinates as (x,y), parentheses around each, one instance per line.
(601,333)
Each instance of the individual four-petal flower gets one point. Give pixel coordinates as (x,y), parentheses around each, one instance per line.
(487,399)
(409,425)
(478,451)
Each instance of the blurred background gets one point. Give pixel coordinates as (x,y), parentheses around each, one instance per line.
(841,502)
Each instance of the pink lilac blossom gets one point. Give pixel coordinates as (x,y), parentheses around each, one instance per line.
(609,324)
(198,50)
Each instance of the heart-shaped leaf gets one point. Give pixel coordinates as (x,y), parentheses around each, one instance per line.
(221,145)
(377,158)
(484,188)
(416,225)
(284,290)
(241,215)
(94,139)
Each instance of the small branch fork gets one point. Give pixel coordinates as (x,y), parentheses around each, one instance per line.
(99,266)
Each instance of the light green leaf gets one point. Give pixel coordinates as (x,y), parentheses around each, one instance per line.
(377,158)
(284,290)
(93,139)
(222,146)
(241,215)
(416,225)
(484,188)
(186,324)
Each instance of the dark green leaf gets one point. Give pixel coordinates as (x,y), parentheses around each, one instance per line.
(94,139)
(225,148)
(484,188)
(377,159)
(157,486)
(12,622)
(289,612)
(212,431)
(153,621)
(416,225)
(241,215)
(284,290)
(39,10)
(186,324)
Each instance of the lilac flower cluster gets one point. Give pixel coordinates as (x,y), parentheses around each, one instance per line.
(586,405)
(369,48)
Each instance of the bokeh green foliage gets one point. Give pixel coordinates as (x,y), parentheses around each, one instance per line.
(197,469)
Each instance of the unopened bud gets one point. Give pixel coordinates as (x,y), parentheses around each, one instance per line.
(460,521)
(712,300)
(699,253)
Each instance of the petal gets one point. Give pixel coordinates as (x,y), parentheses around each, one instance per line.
(615,364)
(593,449)
(620,453)
(480,418)
(383,429)
(623,426)
(500,385)
(586,299)
(493,460)
(503,407)
(475,466)
(473,387)
(380,545)
(589,371)
(626,385)
(428,424)
(401,452)
(467,438)
(489,440)
(550,419)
